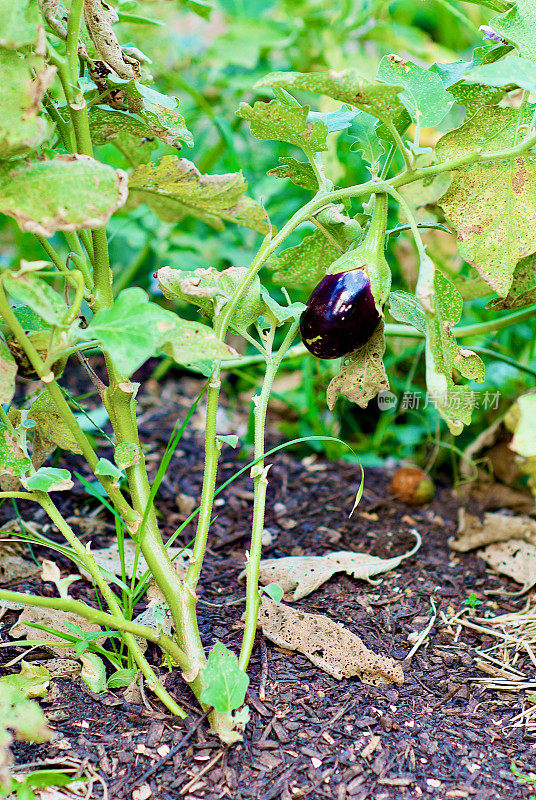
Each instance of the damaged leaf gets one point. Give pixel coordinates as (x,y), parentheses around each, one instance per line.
(13,460)
(305,264)
(24,81)
(51,430)
(55,620)
(99,18)
(108,558)
(329,645)
(174,188)
(495,527)
(523,289)
(66,193)
(301,575)
(274,120)
(8,373)
(300,173)
(362,374)
(516,559)
(491,205)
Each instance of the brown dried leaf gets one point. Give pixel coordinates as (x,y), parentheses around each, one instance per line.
(100,17)
(329,645)
(362,375)
(473,533)
(304,574)
(13,565)
(108,558)
(515,558)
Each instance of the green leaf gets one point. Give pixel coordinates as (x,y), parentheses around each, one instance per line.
(22,716)
(425,97)
(363,129)
(126,454)
(159,111)
(132,330)
(32,680)
(523,289)
(274,313)
(405,307)
(274,592)
(443,355)
(474,96)
(306,263)
(41,778)
(224,682)
(21,128)
(51,428)
(13,461)
(518,27)
(191,342)
(348,86)
(20,22)
(8,372)
(284,123)
(107,469)
(230,439)
(491,206)
(174,188)
(121,677)
(511,69)
(299,172)
(133,138)
(333,120)
(93,672)
(49,479)
(362,374)
(209,290)
(36,293)
(67,193)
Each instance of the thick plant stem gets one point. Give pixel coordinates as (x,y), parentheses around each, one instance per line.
(259,473)
(46,503)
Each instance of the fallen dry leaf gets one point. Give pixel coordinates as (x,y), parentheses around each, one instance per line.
(304,574)
(473,533)
(515,558)
(329,645)
(51,618)
(13,565)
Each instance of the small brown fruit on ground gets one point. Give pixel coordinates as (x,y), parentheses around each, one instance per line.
(413,486)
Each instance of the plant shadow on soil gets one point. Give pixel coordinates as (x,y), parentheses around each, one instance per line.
(440,735)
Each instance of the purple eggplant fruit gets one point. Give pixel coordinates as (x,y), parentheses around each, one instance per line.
(341,315)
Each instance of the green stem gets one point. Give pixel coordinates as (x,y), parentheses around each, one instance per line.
(73,32)
(81,259)
(51,253)
(113,603)
(259,472)
(401,146)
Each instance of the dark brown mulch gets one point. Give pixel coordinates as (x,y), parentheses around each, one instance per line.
(438,736)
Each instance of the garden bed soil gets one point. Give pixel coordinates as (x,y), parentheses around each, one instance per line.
(439,735)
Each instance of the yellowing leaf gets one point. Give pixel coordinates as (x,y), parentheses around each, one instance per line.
(301,575)
(51,430)
(21,127)
(491,205)
(362,375)
(284,123)
(33,680)
(66,193)
(329,645)
(174,188)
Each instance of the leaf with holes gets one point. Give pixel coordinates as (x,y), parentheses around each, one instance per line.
(362,374)
(224,682)
(302,575)
(424,96)
(491,205)
(405,307)
(191,342)
(274,120)
(51,430)
(377,99)
(66,193)
(516,559)
(174,188)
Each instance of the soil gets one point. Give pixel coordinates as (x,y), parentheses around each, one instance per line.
(440,735)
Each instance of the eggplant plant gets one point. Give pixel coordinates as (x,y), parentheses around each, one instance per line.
(69,92)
